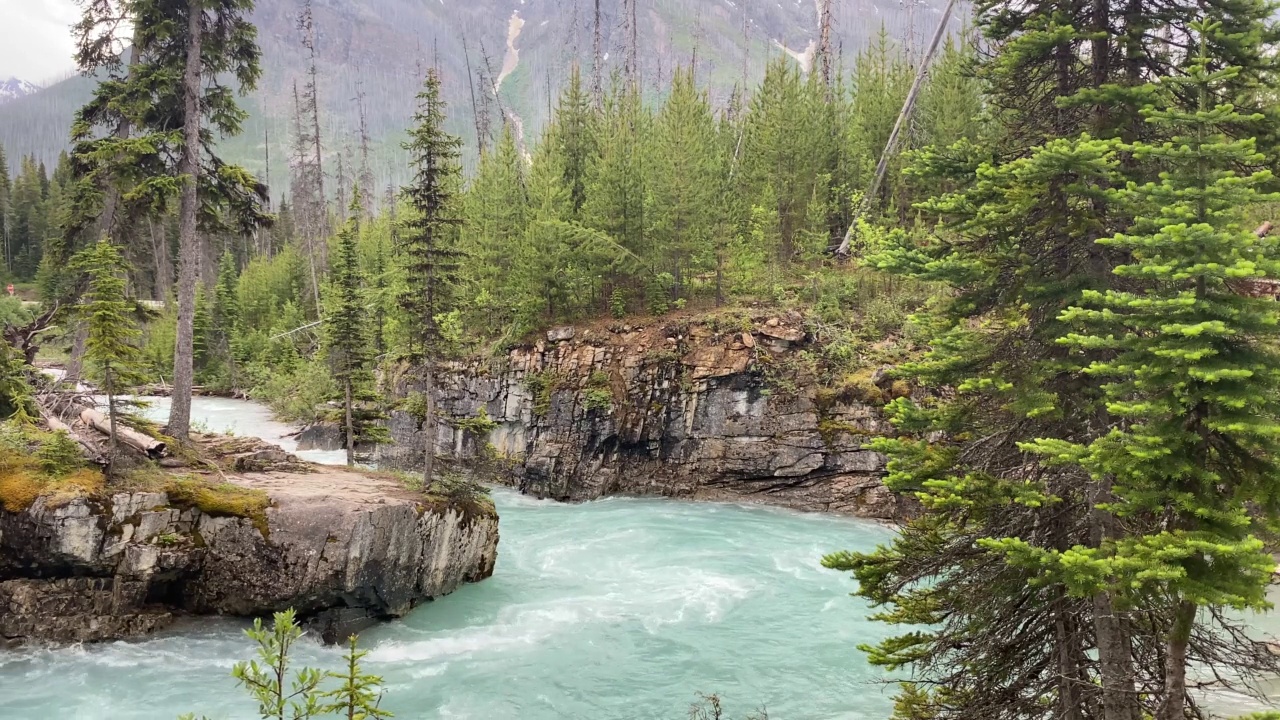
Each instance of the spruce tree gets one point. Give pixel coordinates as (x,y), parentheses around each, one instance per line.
(1191,378)
(1018,242)
(169,87)
(112,355)
(428,252)
(684,183)
(346,323)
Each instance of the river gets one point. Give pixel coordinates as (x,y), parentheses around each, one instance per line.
(612,610)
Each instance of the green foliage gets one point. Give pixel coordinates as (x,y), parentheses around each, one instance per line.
(59,455)
(479,426)
(458,488)
(598,393)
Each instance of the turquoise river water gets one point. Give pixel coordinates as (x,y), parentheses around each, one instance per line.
(613,610)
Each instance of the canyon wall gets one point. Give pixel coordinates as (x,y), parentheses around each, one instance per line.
(715,408)
(343,549)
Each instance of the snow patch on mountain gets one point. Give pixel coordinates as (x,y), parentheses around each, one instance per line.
(13,88)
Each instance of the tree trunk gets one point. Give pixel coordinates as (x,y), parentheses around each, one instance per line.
(351,427)
(429,427)
(1173,704)
(75,363)
(189,240)
(111,417)
(163,266)
(1111,636)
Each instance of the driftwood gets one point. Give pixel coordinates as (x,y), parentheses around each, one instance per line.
(90,452)
(127,435)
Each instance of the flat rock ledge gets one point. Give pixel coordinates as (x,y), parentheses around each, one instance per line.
(343,549)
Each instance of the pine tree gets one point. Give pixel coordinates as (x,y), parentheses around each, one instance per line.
(495,214)
(6,189)
(346,323)
(112,354)
(1190,377)
(428,250)
(1018,242)
(573,136)
(684,184)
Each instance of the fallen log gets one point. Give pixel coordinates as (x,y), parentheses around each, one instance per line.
(90,453)
(134,439)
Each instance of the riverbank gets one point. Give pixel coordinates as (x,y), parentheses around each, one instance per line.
(226,526)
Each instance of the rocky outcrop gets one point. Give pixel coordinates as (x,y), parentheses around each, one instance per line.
(726,408)
(343,549)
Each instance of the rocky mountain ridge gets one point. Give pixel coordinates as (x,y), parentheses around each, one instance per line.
(377,48)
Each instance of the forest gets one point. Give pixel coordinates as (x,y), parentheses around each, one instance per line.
(1068,253)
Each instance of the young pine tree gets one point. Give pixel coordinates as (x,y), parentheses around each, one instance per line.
(113,357)
(346,323)
(429,251)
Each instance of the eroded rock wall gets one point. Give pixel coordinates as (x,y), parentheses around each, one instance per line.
(342,549)
(686,409)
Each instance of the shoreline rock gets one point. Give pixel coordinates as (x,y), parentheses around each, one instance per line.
(694,408)
(344,549)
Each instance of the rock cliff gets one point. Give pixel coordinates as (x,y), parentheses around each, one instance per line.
(726,408)
(343,549)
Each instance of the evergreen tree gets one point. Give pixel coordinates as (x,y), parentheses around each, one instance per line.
(112,354)
(495,207)
(1018,243)
(573,136)
(6,191)
(1190,379)
(346,323)
(429,252)
(684,184)
(615,191)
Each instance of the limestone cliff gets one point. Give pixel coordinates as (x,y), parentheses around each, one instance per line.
(343,549)
(706,408)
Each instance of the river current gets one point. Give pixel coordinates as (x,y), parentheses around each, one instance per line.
(613,610)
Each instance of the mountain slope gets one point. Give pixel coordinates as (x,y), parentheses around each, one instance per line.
(13,88)
(382,44)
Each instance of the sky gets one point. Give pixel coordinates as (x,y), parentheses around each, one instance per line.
(35,39)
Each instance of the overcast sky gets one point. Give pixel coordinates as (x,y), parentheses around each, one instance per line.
(35,38)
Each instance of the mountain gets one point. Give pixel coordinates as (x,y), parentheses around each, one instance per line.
(13,89)
(379,47)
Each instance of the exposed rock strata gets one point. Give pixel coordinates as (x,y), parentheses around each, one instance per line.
(343,549)
(686,409)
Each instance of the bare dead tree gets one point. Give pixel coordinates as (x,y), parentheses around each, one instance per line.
(307,206)
(824,48)
(475,108)
(492,79)
(311,100)
(365,174)
(630,68)
(597,63)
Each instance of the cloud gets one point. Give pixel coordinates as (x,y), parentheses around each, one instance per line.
(35,38)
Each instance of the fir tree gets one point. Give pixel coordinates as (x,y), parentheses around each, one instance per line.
(429,253)
(346,323)
(113,357)
(1018,242)
(1190,379)
(684,183)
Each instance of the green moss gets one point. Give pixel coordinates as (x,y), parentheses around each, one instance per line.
(831,430)
(34,464)
(543,385)
(221,500)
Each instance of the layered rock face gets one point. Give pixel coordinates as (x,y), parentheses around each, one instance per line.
(686,409)
(343,549)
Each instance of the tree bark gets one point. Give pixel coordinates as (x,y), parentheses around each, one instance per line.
(1111,636)
(189,240)
(111,418)
(429,427)
(134,439)
(351,427)
(1173,704)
